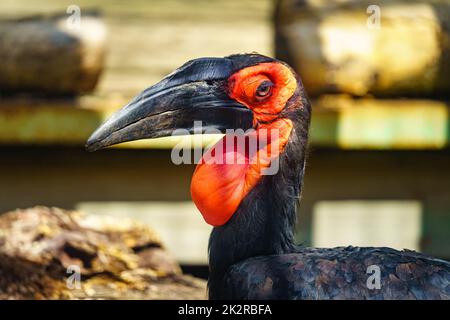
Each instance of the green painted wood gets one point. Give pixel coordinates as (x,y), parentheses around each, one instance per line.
(351,124)
(411,127)
(380,124)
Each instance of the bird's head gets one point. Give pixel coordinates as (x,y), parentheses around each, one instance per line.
(236,92)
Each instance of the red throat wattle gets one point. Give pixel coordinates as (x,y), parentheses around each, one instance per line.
(225,176)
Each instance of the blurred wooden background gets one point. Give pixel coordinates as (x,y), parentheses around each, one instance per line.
(378,171)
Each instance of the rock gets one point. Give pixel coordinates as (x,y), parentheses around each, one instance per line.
(50,253)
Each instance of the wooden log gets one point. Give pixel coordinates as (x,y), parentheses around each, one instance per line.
(47,55)
(49,253)
(337,48)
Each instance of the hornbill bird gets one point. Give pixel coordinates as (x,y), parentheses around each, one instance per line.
(252,254)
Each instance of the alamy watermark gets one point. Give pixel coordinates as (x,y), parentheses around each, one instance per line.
(73,21)
(374,20)
(374,280)
(238,147)
(73,281)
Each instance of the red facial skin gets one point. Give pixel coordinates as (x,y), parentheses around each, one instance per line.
(245,82)
(218,187)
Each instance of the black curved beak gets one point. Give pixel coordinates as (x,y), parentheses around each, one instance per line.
(197,91)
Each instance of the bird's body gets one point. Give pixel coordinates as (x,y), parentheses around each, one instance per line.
(339,273)
(252,254)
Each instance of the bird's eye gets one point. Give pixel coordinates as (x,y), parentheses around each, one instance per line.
(264,89)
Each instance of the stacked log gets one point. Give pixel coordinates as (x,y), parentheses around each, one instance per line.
(49,56)
(342,46)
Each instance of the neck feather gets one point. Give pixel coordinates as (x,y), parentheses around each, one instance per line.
(265,220)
